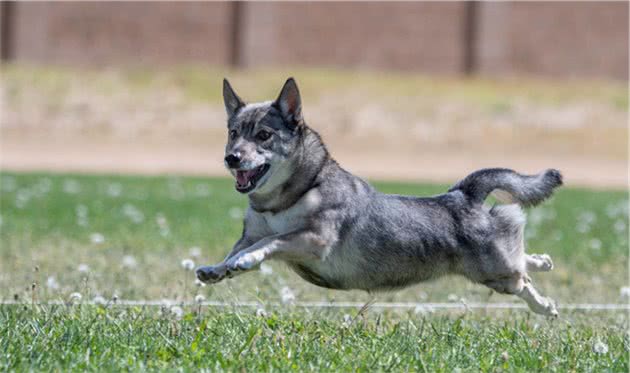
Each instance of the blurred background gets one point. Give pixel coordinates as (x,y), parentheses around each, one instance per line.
(405,91)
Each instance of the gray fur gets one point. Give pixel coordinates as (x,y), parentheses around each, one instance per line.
(336,231)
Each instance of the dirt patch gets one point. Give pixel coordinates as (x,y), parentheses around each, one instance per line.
(381,126)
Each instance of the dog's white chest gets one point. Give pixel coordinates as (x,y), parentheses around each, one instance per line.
(296,216)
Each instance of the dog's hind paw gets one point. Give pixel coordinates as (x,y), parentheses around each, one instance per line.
(546,308)
(539,263)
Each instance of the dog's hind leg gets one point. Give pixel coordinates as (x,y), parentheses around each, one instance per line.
(536,302)
(520,286)
(538,262)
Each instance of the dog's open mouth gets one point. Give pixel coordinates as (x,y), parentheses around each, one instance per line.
(246,179)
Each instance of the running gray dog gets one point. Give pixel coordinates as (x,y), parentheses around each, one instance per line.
(336,231)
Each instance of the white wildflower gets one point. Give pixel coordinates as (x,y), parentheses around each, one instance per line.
(51,283)
(453,298)
(600,347)
(199,283)
(8,183)
(235,213)
(347,321)
(195,252)
(287,295)
(83,268)
(75,297)
(423,309)
(625,291)
(595,244)
(97,238)
(620,226)
(177,311)
(82,215)
(583,227)
(133,213)
(114,189)
(166,302)
(43,186)
(22,198)
(71,186)
(260,312)
(266,269)
(129,262)
(162,223)
(199,298)
(202,190)
(99,300)
(188,264)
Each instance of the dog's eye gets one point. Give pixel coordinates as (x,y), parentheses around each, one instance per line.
(233,134)
(263,135)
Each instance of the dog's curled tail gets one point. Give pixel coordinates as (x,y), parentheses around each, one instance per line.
(509,186)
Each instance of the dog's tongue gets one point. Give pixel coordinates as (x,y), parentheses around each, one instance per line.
(242,177)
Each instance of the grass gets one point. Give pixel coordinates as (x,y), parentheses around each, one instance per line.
(112,339)
(77,233)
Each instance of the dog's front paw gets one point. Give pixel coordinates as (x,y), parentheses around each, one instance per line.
(244,262)
(211,274)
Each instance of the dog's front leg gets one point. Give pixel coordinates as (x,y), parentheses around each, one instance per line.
(216,273)
(304,244)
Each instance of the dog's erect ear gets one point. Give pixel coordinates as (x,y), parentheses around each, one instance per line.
(230,99)
(289,103)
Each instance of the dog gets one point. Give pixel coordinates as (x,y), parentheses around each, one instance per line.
(336,231)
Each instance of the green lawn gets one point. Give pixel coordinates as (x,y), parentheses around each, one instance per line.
(105,236)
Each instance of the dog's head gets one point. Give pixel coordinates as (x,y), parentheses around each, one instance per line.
(262,138)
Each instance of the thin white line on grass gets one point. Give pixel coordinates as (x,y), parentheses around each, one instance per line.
(381,305)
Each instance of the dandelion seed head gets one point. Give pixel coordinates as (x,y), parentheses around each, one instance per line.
(188,264)
(347,321)
(75,297)
(83,268)
(260,312)
(202,190)
(505,356)
(195,252)
(453,298)
(114,189)
(133,213)
(287,295)
(51,283)
(177,311)
(8,183)
(97,238)
(620,226)
(71,186)
(99,300)
(600,347)
(625,291)
(199,298)
(595,244)
(200,283)
(129,262)
(423,309)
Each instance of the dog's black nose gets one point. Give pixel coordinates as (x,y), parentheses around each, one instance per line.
(232,161)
